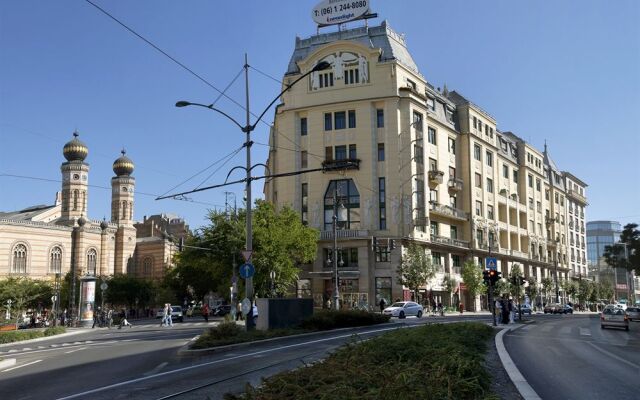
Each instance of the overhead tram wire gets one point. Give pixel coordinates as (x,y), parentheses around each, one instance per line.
(35,178)
(228,158)
(319,157)
(265,74)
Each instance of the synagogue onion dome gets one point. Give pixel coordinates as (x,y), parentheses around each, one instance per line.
(123,166)
(75,149)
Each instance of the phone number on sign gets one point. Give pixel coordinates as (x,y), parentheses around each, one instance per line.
(340,7)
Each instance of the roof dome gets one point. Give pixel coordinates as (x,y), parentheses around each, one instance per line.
(82,221)
(104,224)
(75,149)
(123,166)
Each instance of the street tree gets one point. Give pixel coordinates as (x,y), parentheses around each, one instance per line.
(450,284)
(126,290)
(25,293)
(570,288)
(516,288)
(585,288)
(534,291)
(416,268)
(626,253)
(547,285)
(472,278)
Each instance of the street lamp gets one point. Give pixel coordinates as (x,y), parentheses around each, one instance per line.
(247,129)
(339,213)
(549,223)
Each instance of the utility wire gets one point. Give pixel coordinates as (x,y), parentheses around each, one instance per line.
(35,178)
(265,74)
(319,157)
(229,157)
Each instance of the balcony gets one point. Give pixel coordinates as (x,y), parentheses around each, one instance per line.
(420,221)
(345,234)
(575,195)
(435,177)
(517,253)
(455,185)
(447,211)
(340,165)
(449,241)
(482,245)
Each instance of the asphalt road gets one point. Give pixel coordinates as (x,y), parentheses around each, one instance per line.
(571,357)
(143,362)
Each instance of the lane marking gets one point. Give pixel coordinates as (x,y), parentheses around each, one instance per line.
(585,332)
(73,351)
(20,366)
(622,360)
(156,369)
(115,385)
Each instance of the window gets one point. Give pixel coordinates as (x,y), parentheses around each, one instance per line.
(380,118)
(412,84)
(505,171)
(479,208)
(383,290)
(453,201)
(515,176)
(480,125)
(417,121)
(303,127)
(530,180)
(348,256)
(475,122)
(452,173)
(420,215)
(91,261)
(380,151)
(352,119)
(531,203)
(431,135)
(147,266)
(353,154)
(328,153)
(452,146)
(538,206)
(303,288)
(339,120)
(449,114)
(351,76)
(489,185)
(19,265)
(418,153)
(538,184)
(326,79)
(433,165)
(477,152)
(489,211)
(556,198)
(341,152)
(455,260)
(431,104)
(55,260)
(562,200)
(303,159)
(437,259)
(434,228)
(546,194)
(478,180)
(433,196)
(305,203)
(480,236)
(382,253)
(327,122)
(454,232)
(382,203)
(489,158)
(347,195)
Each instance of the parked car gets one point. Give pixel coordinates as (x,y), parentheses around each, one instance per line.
(222,310)
(553,309)
(176,313)
(614,316)
(621,305)
(404,309)
(633,313)
(567,309)
(526,309)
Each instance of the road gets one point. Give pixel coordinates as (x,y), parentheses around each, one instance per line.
(571,357)
(143,362)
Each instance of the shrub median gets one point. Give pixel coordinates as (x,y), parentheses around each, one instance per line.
(442,361)
(17,336)
(231,333)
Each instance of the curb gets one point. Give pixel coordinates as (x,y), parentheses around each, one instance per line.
(526,391)
(41,339)
(7,363)
(185,351)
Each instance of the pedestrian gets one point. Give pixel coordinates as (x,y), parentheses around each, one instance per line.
(205,312)
(505,311)
(255,314)
(123,319)
(63,317)
(461,307)
(497,310)
(329,304)
(383,303)
(109,318)
(96,318)
(512,311)
(239,312)
(168,315)
(440,309)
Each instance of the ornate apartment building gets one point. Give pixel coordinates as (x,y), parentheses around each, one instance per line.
(45,240)
(411,163)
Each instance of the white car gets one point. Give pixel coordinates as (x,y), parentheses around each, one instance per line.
(404,309)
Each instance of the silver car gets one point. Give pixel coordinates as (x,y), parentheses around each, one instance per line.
(403,309)
(633,313)
(614,316)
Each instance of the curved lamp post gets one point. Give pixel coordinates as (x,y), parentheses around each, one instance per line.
(247,128)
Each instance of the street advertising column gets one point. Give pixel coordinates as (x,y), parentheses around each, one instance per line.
(87,301)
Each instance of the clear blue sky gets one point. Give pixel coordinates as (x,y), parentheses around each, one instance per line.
(564,71)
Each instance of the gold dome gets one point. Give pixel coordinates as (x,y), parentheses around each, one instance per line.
(75,149)
(123,166)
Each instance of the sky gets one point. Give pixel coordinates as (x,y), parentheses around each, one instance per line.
(567,72)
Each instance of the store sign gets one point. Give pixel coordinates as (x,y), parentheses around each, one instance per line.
(330,12)
(621,286)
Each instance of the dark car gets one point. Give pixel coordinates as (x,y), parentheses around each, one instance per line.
(553,309)
(222,310)
(526,309)
(567,309)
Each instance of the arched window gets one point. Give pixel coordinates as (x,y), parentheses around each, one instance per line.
(75,200)
(92,256)
(147,266)
(124,210)
(348,196)
(130,210)
(19,265)
(55,260)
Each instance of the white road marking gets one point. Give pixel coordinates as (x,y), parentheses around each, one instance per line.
(156,369)
(585,332)
(26,348)
(20,366)
(622,360)
(73,351)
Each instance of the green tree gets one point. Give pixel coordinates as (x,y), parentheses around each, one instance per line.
(25,293)
(126,290)
(516,290)
(416,268)
(534,291)
(547,285)
(585,288)
(450,284)
(570,288)
(617,256)
(605,290)
(472,278)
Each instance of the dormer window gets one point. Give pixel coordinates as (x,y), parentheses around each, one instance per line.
(351,76)
(431,104)
(449,113)
(326,79)
(412,84)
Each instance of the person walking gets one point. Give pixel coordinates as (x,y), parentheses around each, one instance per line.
(383,303)
(109,318)
(123,319)
(96,318)
(205,312)
(168,315)
(239,312)
(461,307)
(255,314)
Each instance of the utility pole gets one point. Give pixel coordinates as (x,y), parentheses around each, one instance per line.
(336,295)
(249,245)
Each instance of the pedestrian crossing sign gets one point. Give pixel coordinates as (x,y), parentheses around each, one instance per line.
(492,263)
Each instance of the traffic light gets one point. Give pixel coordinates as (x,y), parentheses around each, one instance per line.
(374,244)
(392,244)
(485,276)
(494,276)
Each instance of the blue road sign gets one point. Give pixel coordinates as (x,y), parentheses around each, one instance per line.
(247,270)
(492,263)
